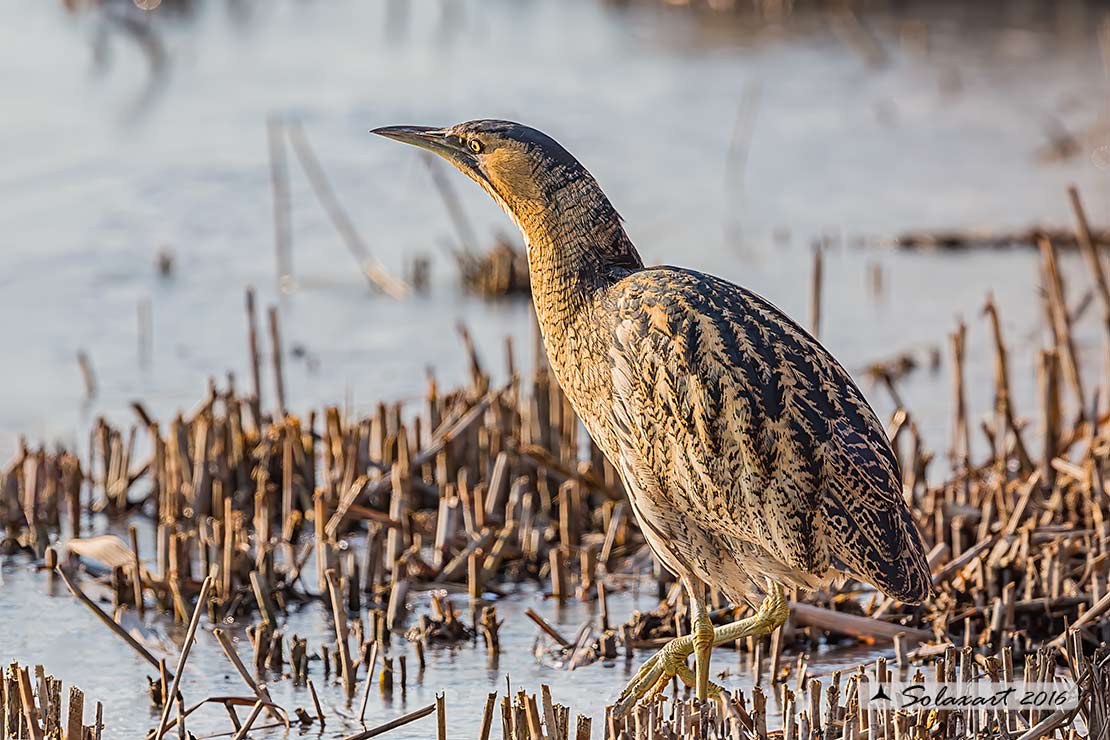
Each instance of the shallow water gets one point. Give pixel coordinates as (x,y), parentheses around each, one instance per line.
(102,170)
(42,623)
(946,134)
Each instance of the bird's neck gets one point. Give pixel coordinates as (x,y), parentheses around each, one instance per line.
(576,247)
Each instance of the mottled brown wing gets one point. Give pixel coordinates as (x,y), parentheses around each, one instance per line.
(729,402)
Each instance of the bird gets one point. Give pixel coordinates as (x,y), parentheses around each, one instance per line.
(752,461)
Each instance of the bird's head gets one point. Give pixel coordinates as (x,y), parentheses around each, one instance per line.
(520,167)
(565,218)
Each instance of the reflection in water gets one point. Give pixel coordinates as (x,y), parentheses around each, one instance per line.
(120,22)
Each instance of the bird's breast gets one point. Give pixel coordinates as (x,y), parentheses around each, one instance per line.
(578,355)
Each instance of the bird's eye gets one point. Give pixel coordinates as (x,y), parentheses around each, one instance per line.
(475,146)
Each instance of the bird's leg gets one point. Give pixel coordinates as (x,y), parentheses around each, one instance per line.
(670,661)
(772,614)
(703,635)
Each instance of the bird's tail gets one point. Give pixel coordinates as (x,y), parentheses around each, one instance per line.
(894,562)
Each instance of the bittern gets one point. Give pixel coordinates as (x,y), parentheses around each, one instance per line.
(750,458)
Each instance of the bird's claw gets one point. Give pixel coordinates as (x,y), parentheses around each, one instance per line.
(670,661)
(655,674)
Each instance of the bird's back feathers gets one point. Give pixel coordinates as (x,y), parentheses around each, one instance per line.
(753,425)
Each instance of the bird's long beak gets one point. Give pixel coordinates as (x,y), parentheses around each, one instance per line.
(433,139)
(437,141)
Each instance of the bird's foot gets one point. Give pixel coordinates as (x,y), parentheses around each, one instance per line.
(654,675)
(670,661)
(771,615)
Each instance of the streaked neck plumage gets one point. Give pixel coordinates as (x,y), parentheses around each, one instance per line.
(576,243)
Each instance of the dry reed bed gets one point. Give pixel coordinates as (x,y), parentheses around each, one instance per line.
(487,485)
(32,708)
